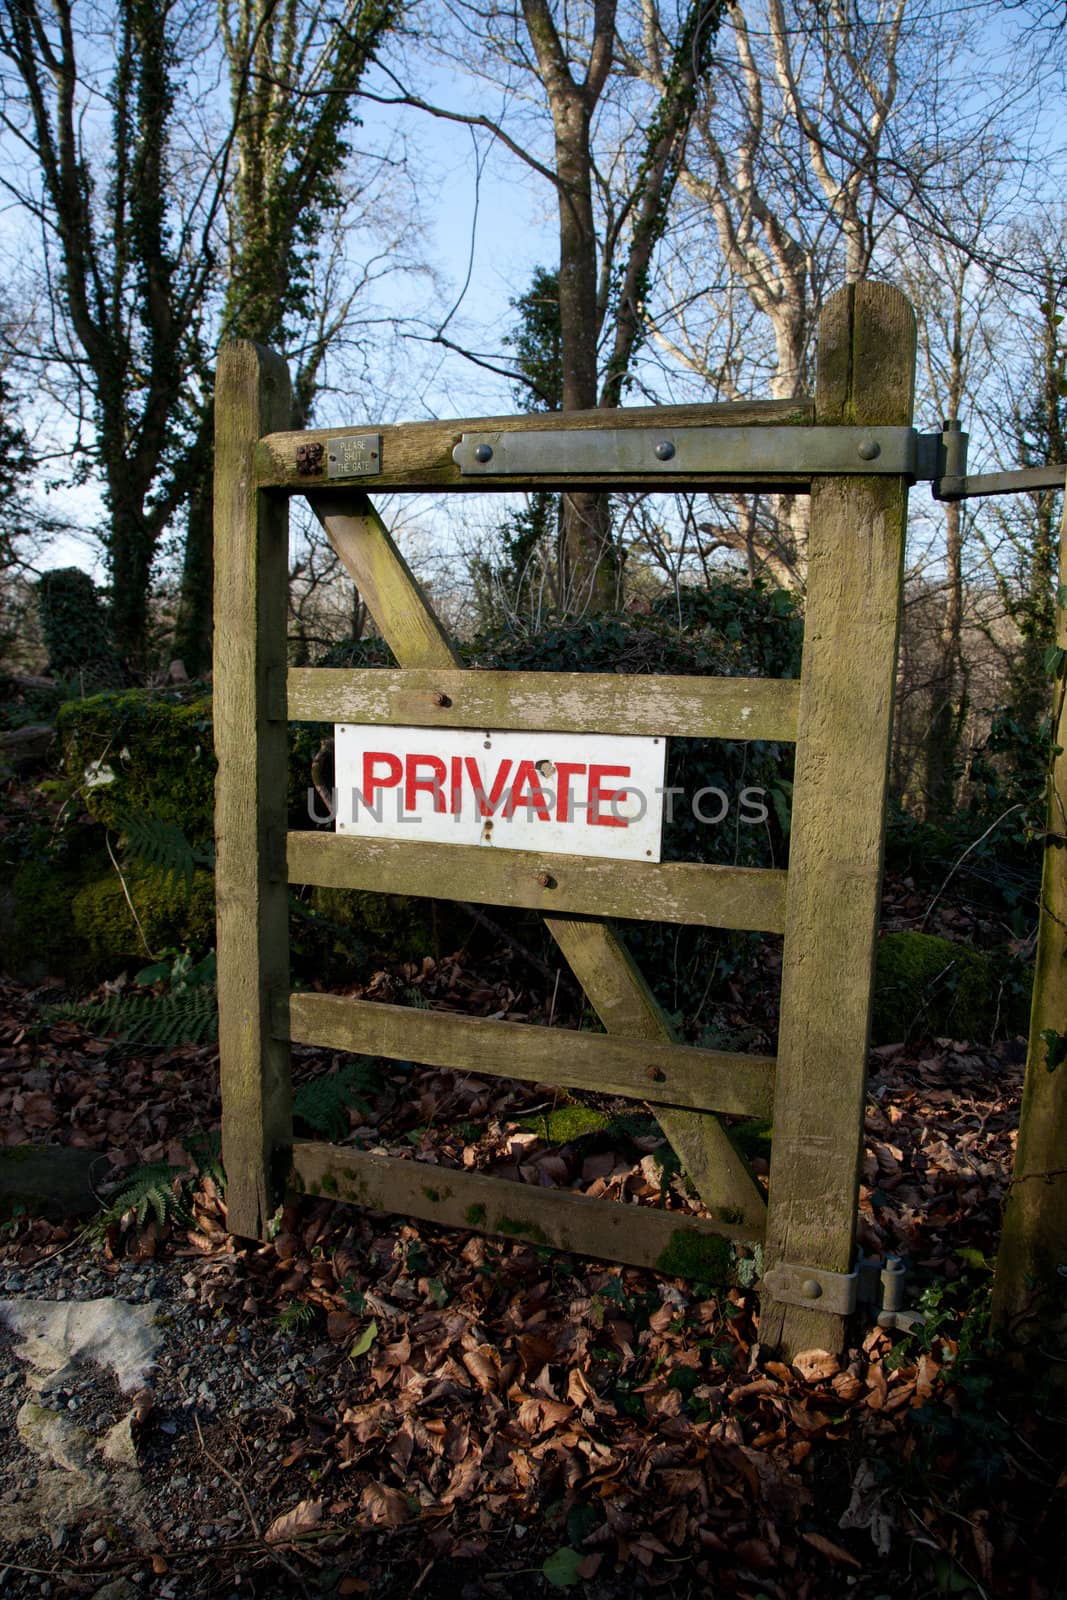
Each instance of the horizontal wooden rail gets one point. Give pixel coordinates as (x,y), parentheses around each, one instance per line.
(641,1069)
(674,1243)
(563,702)
(750,898)
(418,455)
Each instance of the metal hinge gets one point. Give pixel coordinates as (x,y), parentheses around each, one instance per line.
(814,1287)
(547,452)
(939,459)
(882,1290)
(874,1284)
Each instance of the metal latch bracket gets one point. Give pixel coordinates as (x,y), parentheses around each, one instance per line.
(813,1287)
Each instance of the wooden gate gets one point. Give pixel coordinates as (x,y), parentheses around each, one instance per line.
(839,713)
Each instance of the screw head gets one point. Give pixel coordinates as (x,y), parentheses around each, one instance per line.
(868,450)
(483,452)
(665,450)
(811,1289)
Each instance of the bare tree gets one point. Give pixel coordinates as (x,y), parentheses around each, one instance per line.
(612,158)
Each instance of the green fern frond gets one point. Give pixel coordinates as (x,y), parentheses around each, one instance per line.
(323,1102)
(189,1016)
(205,1150)
(157,1187)
(162,845)
(297,1314)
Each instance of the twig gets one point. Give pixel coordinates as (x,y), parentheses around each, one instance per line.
(958,864)
(226,1473)
(137,921)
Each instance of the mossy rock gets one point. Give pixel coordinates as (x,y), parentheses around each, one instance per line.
(47,1180)
(171,915)
(39,937)
(926,985)
(141,751)
(394,927)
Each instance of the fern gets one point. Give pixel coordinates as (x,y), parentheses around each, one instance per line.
(297,1314)
(323,1102)
(205,1150)
(185,1016)
(162,845)
(157,1187)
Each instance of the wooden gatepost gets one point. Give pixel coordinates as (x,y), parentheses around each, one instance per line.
(853,449)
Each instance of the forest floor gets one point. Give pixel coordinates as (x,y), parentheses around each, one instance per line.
(367,1406)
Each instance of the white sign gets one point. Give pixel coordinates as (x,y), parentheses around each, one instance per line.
(583,794)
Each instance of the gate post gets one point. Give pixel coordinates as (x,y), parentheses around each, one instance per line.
(866,371)
(251,886)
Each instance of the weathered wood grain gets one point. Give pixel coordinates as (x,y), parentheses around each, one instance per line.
(563,702)
(418,455)
(371,558)
(866,366)
(640,1236)
(601,963)
(713,897)
(659,1072)
(251,586)
(626,1006)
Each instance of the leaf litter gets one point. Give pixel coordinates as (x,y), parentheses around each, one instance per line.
(477,1409)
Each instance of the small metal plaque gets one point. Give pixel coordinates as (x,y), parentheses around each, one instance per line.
(354,457)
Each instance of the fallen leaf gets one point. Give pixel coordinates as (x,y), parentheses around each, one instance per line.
(562,1568)
(832,1551)
(364,1342)
(483,1364)
(385,1507)
(304,1516)
(816,1365)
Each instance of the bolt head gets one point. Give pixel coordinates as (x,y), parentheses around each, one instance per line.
(543,880)
(811,1289)
(665,450)
(483,452)
(868,450)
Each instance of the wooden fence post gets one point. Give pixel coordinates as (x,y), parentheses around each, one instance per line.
(252,894)
(1030,1291)
(866,368)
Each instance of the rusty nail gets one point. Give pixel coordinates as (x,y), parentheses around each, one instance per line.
(656,1074)
(441,700)
(544,879)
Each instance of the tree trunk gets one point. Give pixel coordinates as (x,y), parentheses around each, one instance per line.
(130,551)
(589,566)
(193,629)
(1030,1289)
(946,711)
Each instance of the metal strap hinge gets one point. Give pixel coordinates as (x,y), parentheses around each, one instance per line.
(673,452)
(875,1284)
(814,1287)
(755,452)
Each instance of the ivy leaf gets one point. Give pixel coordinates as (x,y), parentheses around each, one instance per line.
(1055,1048)
(561,1569)
(1055,656)
(364,1342)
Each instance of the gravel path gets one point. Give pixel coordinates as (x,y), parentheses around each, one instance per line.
(213,1467)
